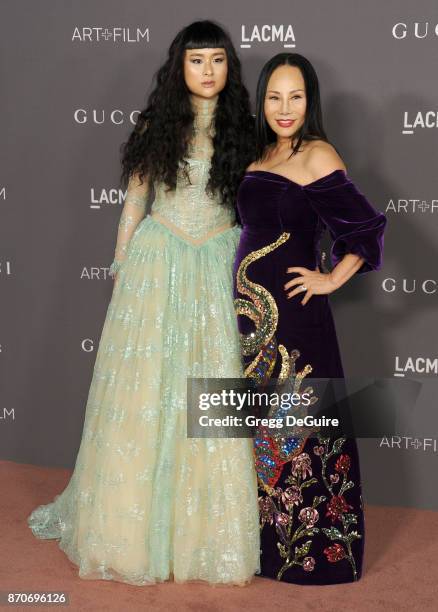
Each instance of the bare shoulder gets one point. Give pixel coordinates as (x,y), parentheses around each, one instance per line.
(322,159)
(255,165)
(252,166)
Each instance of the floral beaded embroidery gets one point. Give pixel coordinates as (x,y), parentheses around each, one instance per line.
(292,524)
(337,509)
(281,507)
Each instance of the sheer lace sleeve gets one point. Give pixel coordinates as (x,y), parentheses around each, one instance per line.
(133,212)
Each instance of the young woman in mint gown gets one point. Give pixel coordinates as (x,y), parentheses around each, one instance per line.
(311,514)
(146,503)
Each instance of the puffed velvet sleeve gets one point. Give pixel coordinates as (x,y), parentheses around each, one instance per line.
(354,224)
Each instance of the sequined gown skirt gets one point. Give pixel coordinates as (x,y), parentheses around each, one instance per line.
(311,513)
(145,503)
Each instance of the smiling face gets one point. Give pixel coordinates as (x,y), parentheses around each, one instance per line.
(285,101)
(205,71)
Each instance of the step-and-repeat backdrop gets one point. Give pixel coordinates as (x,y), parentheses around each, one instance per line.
(73,79)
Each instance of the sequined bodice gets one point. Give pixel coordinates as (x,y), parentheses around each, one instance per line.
(189,207)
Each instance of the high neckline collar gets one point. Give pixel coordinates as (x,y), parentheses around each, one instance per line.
(204,107)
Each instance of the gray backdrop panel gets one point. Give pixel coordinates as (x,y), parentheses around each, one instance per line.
(67,96)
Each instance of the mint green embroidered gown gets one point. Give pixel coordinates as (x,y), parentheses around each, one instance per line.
(145,503)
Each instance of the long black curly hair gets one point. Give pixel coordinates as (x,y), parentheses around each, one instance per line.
(159,141)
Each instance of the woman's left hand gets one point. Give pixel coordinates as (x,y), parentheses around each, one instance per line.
(314,281)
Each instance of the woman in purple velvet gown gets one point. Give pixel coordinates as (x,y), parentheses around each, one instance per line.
(311,513)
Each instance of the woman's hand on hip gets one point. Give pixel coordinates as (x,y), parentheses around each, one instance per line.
(312,282)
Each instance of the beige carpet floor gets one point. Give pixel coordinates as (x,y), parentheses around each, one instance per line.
(401,564)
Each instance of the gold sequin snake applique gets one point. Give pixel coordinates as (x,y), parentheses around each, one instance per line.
(263,311)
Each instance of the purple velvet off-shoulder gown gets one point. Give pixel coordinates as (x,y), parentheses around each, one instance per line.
(311,513)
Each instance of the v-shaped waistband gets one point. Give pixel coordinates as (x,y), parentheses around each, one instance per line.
(187,237)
